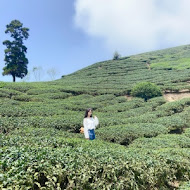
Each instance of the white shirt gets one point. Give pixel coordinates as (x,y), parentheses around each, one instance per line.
(89,123)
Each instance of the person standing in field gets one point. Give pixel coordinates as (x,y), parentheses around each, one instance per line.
(89,124)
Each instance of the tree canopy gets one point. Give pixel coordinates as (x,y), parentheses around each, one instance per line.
(146,90)
(15,59)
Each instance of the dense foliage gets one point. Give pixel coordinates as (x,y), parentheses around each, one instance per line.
(139,145)
(146,90)
(37,159)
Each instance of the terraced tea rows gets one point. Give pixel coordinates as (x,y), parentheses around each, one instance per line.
(139,145)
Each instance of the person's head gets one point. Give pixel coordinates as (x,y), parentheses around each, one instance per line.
(88,113)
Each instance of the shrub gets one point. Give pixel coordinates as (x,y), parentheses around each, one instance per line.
(162,141)
(185,186)
(125,134)
(174,123)
(146,90)
(2,84)
(116,56)
(47,159)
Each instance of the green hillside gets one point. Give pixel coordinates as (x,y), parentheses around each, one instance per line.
(168,68)
(139,145)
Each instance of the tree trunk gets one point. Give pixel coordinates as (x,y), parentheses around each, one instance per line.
(14,78)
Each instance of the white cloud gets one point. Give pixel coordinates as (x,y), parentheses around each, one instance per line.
(133,26)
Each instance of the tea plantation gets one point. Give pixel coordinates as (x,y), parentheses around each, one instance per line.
(139,145)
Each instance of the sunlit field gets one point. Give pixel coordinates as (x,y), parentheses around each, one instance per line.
(139,144)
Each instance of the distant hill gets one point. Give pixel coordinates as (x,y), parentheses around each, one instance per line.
(168,68)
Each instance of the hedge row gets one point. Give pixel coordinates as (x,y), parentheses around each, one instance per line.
(44,162)
(125,134)
(162,141)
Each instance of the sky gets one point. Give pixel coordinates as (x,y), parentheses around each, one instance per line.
(68,35)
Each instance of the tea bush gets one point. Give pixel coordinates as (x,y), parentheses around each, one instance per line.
(30,160)
(40,144)
(185,186)
(162,141)
(127,133)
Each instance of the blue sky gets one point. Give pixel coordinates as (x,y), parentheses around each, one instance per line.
(54,41)
(68,35)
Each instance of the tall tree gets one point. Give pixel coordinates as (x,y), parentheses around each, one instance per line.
(15,59)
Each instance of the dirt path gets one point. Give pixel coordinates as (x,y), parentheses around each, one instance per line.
(170,97)
(148,66)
